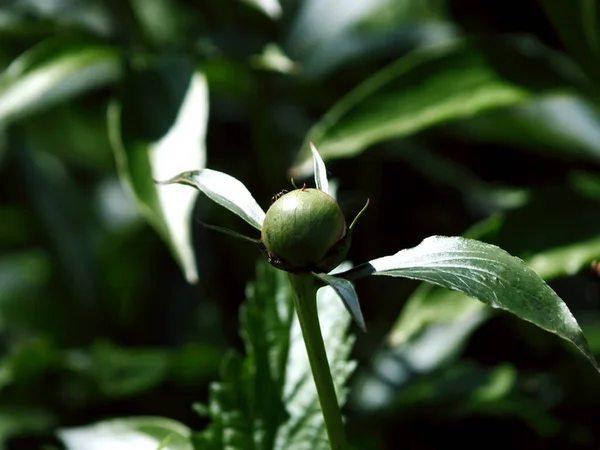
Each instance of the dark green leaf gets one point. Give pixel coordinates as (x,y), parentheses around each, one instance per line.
(487,273)
(15,421)
(156,132)
(577,24)
(433,86)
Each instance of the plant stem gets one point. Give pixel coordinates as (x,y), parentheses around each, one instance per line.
(305,290)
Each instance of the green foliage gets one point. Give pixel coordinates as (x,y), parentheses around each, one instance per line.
(449,116)
(426,88)
(268,399)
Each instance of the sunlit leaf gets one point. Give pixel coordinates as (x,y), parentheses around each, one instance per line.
(157,131)
(51,72)
(426,88)
(269,400)
(225,190)
(273,58)
(271,8)
(139,433)
(490,274)
(320,171)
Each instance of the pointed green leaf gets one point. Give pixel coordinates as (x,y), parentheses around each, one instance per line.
(319,170)
(347,294)
(225,190)
(139,433)
(52,72)
(269,400)
(428,87)
(487,273)
(158,130)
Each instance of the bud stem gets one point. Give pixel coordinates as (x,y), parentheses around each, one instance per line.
(305,289)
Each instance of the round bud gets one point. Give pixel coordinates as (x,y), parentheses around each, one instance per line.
(302,226)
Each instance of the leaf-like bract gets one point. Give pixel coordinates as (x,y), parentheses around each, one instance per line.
(225,190)
(320,171)
(347,294)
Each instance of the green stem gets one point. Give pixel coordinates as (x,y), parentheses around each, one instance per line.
(305,289)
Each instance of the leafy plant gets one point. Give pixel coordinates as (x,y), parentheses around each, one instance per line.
(480,270)
(473,129)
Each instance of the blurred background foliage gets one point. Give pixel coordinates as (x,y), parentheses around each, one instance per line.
(456,117)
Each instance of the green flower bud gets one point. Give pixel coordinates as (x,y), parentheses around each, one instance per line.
(304,230)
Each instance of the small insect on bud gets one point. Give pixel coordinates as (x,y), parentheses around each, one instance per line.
(304,230)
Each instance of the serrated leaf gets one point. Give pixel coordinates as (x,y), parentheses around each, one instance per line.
(347,294)
(432,86)
(158,130)
(52,72)
(139,433)
(487,273)
(225,190)
(269,400)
